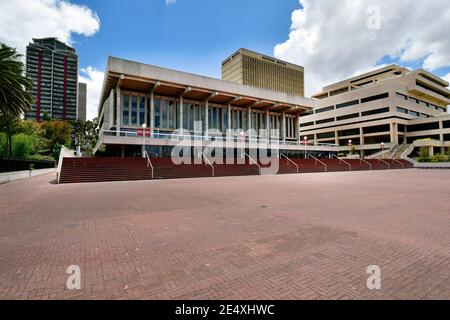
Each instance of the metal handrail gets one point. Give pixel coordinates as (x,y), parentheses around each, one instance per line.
(401,163)
(149,163)
(259,167)
(342,160)
(157,135)
(209,163)
(384,161)
(317,160)
(283,155)
(366,162)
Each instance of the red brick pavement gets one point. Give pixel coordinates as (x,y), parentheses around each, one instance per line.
(308,236)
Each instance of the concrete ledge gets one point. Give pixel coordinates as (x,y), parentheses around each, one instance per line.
(20,175)
(431,165)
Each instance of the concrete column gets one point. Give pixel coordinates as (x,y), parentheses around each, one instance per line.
(118,110)
(297,128)
(431,151)
(249,122)
(180,116)
(152,113)
(361,136)
(283,127)
(441,136)
(394,133)
(207,118)
(336,137)
(267,123)
(442,150)
(229,117)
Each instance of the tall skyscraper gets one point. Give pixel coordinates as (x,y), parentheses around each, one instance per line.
(53,67)
(258,70)
(82,95)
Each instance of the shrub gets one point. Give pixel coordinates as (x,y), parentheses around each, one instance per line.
(440,158)
(424,155)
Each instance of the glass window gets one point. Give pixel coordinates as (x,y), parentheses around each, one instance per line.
(191,117)
(148,113)
(164,114)
(214,118)
(142,111)
(171,114)
(219,114)
(203,118)
(185,115)
(157,113)
(133,110)
(126,108)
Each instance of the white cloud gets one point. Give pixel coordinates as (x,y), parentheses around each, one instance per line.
(332,40)
(170,2)
(94,80)
(22,20)
(447,78)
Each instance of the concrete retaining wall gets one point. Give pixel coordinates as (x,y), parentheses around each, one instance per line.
(439,165)
(19,175)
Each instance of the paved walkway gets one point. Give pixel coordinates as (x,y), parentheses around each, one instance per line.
(309,236)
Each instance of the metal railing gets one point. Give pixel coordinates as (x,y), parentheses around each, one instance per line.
(401,163)
(252,160)
(296,165)
(384,161)
(149,163)
(211,138)
(209,163)
(366,162)
(318,161)
(342,161)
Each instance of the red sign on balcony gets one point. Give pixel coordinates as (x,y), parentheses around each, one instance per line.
(141,132)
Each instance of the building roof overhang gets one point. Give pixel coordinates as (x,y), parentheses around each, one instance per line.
(143,78)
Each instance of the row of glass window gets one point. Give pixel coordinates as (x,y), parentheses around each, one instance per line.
(136,111)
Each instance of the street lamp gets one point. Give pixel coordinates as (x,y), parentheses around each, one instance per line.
(305,139)
(350,144)
(144,126)
(382,150)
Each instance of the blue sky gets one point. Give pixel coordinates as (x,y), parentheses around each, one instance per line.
(331,39)
(189,35)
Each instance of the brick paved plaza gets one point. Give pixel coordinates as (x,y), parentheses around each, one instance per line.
(308,236)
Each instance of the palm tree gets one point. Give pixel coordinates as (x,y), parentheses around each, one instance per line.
(15,87)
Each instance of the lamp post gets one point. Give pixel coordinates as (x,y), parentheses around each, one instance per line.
(305,139)
(144,126)
(382,150)
(350,145)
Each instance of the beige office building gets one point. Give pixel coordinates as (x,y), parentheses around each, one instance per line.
(258,70)
(391,108)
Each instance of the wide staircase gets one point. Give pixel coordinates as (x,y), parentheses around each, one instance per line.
(77,170)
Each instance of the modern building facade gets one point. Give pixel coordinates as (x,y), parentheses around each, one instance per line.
(82,101)
(53,67)
(388,108)
(258,70)
(172,103)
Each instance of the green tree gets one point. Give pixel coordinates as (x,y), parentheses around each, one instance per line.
(57,133)
(15,88)
(85,134)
